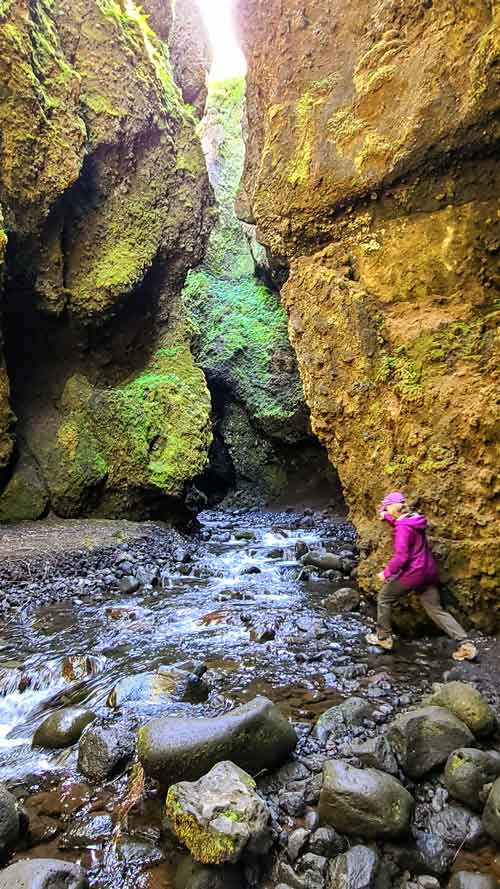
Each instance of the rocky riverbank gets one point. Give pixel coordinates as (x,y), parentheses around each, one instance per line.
(205,714)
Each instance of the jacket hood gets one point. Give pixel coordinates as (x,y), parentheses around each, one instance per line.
(415,520)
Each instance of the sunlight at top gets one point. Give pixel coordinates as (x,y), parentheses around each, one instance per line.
(229,60)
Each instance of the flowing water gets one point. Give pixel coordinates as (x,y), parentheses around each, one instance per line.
(76,651)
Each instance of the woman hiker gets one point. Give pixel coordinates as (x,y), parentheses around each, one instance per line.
(413,567)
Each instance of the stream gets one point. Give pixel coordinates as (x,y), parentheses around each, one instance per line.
(243,607)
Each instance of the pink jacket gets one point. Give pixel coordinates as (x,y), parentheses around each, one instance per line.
(412,563)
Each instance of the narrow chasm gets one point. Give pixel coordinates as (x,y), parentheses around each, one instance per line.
(240,340)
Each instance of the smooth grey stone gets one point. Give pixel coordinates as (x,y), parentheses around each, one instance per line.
(423,738)
(43,873)
(254,736)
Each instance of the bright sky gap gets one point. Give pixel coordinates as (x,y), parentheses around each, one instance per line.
(229,60)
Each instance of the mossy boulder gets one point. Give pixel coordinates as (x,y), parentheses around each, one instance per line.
(25,495)
(63,728)
(467,704)
(220,816)
(467,771)
(364,802)
(423,738)
(254,736)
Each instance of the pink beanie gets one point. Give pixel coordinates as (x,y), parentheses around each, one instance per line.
(395,497)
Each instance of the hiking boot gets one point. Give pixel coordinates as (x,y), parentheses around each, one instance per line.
(466,651)
(386,644)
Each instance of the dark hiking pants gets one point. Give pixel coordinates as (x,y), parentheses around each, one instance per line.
(392,592)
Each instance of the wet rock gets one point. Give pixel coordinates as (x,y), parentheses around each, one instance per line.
(244,535)
(376,753)
(424,738)
(293,802)
(192,875)
(275,553)
(182,555)
(9,821)
(254,736)
(345,599)
(312,862)
(355,869)
(467,704)
(458,827)
(43,873)
(105,750)
(491,814)
(129,585)
(301,549)
(220,816)
(296,843)
(342,717)
(326,841)
(429,854)
(467,771)
(323,561)
(252,569)
(466,879)
(160,687)
(63,728)
(364,802)
(89,830)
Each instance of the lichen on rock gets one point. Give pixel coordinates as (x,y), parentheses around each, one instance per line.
(372,178)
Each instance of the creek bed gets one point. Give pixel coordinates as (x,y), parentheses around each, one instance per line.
(204,607)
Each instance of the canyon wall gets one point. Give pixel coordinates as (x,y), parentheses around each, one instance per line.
(372,175)
(105,204)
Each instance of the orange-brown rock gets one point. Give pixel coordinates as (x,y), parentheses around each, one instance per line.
(372,174)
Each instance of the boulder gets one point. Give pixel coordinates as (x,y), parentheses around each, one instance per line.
(467,771)
(364,802)
(104,750)
(467,704)
(355,869)
(192,875)
(323,561)
(466,879)
(220,816)
(326,841)
(491,814)
(156,688)
(376,753)
(63,728)
(254,736)
(342,717)
(9,821)
(424,738)
(458,827)
(43,873)
(342,600)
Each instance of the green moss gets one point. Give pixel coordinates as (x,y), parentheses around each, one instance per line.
(205,845)
(153,432)
(242,327)
(403,372)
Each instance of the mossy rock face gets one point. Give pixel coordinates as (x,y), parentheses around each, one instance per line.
(107,204)
(468,705)
(424,738)
(190,53)
(219,817)
(9,821)
(63,728)
(385,227)
(364,802)
(254,736)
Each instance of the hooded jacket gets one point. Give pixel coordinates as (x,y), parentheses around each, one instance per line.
(412,564)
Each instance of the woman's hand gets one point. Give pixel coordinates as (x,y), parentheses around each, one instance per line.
(381,576)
